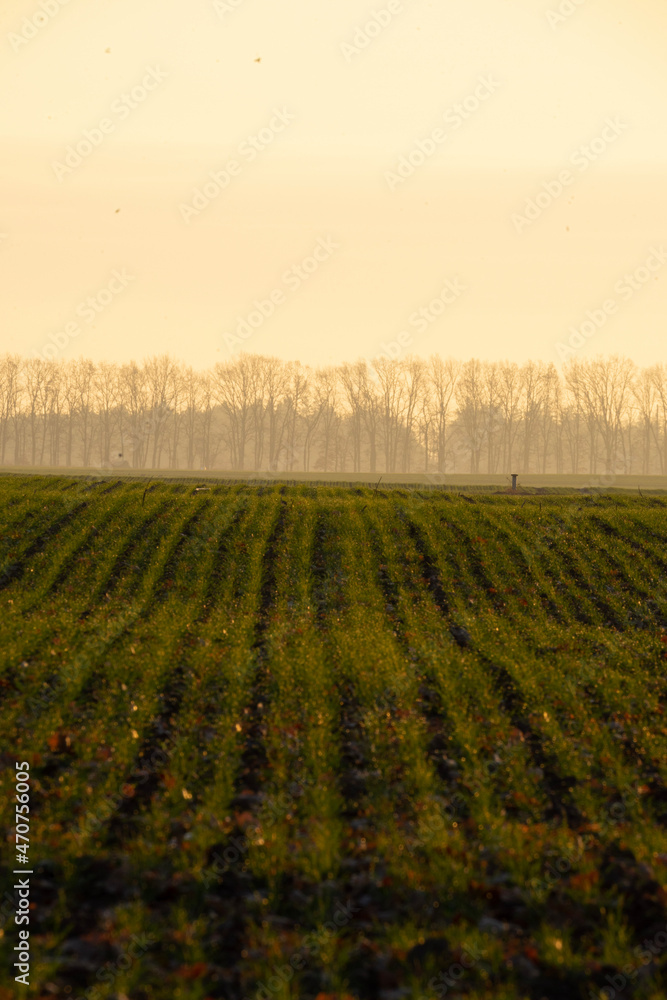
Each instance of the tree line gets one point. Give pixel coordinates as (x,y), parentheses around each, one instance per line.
(411,415)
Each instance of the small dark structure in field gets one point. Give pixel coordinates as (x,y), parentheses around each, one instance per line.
(514,479)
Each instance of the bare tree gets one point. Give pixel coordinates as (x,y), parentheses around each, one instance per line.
(443,377)
(509,392)
(107,401)
(10,390)
(235,388)
(392,406)
(413,375)
(381,417)
(659,379)
(353,380)
(326,396)
(471,399)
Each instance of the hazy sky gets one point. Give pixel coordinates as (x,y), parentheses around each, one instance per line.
(402,138)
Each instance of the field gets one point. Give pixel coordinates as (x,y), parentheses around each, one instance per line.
(299,741)
(450,481)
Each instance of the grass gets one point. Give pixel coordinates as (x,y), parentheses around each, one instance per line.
(305,741)
(599,483)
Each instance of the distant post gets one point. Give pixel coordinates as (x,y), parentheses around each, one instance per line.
(514,478)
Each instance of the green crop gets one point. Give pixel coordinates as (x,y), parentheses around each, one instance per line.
(337,743)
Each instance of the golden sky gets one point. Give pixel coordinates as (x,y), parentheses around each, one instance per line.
(370,157)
